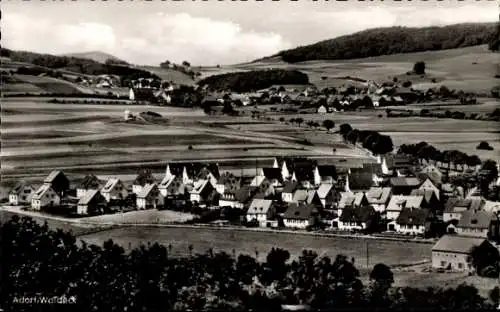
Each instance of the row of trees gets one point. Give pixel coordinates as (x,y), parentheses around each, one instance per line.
(493,116)
(372,140)
(150,278)
(393,40)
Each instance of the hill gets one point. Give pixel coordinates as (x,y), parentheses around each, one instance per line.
(97,56)
(393,40)
(254,80)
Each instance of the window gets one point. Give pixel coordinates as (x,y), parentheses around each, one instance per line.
(443,263)
(460,265)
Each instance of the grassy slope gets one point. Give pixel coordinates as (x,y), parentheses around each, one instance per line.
(169,75)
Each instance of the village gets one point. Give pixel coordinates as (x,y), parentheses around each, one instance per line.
(395,196)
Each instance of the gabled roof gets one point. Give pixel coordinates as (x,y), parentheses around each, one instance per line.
(198,186)
(259,206)
(299,212)
(146,190)
(465,204)
(327,171)
(290,186)
(110,184)
(144,177)
(427,194)
(176,187)
(396,161)
(457,244)
(41,191)
(412,216)
(405,181)
(166,181)
(273,173)
(476,219)
(257,180)
(52,176)
(19,187)
(300,195)
(378,195)
(398,202)
(85,200)
(351,199)
(357,214)
(90,182)
(324,189)
(244,193)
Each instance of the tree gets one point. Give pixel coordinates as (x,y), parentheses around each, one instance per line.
(299,120)
(282,119)
(483,145)
(344,129)
(352,136)
(328,124)
(165,64)
(419,68)
(495,295)
(186,64)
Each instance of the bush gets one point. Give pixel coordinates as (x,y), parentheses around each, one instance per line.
(484,146)
(419,68)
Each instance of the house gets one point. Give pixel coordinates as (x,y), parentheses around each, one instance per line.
(398,162)
(430,200)
(289,189)
(238,198)
(429,185)
(300,196)
(274,175)
(378,198)
(349,199)
(93,202)
(454,252)
(165,183)
(363,178)
(299,216)
(45,196)
(114,189)
(412,221)
(261,210)
(478,223)
(21,194)
(143,178)
(326,173)
(89,183)
(227,182)
(398,202)
(149,197)
(358,218)
(58,182)
(327,195)
(322,109)
(404,185)
(201,191)
(454,207)
(433,173)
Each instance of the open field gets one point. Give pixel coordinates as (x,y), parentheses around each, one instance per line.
(168,74)
(469,69)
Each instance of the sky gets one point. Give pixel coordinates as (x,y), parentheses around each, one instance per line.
(212,32)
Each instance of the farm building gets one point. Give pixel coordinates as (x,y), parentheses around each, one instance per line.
(89,183)
(454,207)
(289,189)
(357,218)
(201,191)
(58,182)
(299,216)
(454,252)
(478,223)
(45,196)
(412,221)
(261,210)
(114,189)
(399,202)
(93,202)
(149,197)
(21,194)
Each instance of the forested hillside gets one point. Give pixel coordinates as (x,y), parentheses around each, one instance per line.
(393,40)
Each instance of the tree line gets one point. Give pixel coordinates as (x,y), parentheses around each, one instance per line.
(371,140)
(151,278)
(254,80)
(393,40)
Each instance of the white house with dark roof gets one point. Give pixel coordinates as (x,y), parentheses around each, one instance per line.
(289,189)
(261,210)
(114,189)
(21,194)
(201,191)
(412,221)
(378,198)
(92,202)
(299,216)
(45,196)
(90,182)
(399,202)
(478,223)
(349,199)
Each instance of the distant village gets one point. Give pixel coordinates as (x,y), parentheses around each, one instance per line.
(394,196)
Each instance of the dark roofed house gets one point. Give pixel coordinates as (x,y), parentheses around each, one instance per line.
(58,182)
(397,162)
(325,173)
(454,207)
(274,175)
(21,194)
(238,198)
(414,221)
(358,180)
(454,252)
(228,182)
(404,185)
(478,223)
(430,199)
(299,216)
(92,202)
(359,218)
(289,189)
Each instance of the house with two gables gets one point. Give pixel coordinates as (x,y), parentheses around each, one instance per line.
(299,216)
(358,218)
(349,199)
(45,196)
(413,221)
(454,207)
(227,182)
(396,205)
(58,182)
(288,190)
(89,183)
(149,197)
(21,194)
(261,210)
(327,195)
(143,178)
(91,203)
(114,189)
(201,192)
